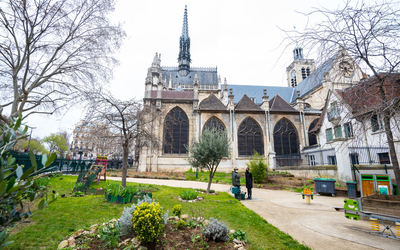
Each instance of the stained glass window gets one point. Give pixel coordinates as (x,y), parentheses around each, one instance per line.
(285,138)
(250,138)
(214,122)
(176,132)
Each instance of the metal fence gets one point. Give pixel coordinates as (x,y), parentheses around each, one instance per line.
(67,166)
(309,158)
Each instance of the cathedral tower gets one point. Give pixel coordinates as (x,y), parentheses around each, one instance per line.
(300,68)
(184,48)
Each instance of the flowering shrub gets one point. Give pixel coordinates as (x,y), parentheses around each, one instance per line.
(177,210)
(148,221)
(180,224)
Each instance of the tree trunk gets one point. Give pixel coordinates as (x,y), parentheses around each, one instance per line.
(392,149)
(124,165)
(209,181)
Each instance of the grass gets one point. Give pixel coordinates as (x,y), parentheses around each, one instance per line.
(66,215)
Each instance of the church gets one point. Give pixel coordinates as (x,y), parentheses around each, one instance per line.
(275,121)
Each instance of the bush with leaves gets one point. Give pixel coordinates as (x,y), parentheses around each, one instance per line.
(189,194)
(180,224)
(177,210)
(216,231)
(258,167)
(148,221)
(240,235)
(15,184)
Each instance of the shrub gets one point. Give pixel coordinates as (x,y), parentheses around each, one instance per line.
(216,231)
(188,194)
(258,167)
(125,220)
(41,183)
(78,194)
(240,235)
(177,210)
(147,221)
(79,185)
(180,224)
(110,233)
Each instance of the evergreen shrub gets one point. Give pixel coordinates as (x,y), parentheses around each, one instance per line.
(216,231)
(258,167)
(148,221)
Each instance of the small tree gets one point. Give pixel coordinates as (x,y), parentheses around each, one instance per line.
(258,167)
(35,146)
(208,152)
(57,143)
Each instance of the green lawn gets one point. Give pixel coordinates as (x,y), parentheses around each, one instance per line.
(66,215)
(219,177)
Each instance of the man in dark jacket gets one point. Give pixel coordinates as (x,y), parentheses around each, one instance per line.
(249,183)
(235,178)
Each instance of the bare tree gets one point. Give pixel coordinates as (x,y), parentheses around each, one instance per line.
(51,50)
(129,121)
(370,34)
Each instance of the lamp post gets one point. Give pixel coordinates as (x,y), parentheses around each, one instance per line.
(30,136)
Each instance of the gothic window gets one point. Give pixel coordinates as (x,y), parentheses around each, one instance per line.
(293,78)
(303,73)
(308,71)
(285,138)
(176,132)
(214,122)
(250,138)
(312,137)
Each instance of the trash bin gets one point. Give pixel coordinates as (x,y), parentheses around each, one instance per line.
(325,185)
(351,189)
(395,189)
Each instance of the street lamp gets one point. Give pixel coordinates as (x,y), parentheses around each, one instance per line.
(30,136)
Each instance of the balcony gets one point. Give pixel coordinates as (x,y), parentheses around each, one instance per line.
(333,116)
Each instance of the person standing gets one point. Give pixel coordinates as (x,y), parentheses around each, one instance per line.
(235,178)
(249,182)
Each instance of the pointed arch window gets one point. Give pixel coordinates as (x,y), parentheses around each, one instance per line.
(308,71)
(250,138)
(293,80)
(312,137)
(214,122)
(285,138)
(303,73)
(176,132)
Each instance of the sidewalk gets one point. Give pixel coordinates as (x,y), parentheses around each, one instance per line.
(317,225)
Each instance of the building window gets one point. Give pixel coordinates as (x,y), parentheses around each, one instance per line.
(384,158)
(308,71)
(250,138)
(312,137)
(329,135)
(348,130)
(332,159)
(311,160)
(303,73)
(376,123)
(338,132)
(285,138)
(253,99)
(354,159)
(176,132)
(334,110)
(293,79)
(214,122)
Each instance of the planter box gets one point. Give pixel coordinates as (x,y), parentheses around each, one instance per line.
(380,206)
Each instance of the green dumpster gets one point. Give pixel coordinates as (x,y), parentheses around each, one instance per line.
(395,189)
(325,185)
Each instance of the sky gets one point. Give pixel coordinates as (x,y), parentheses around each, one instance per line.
(242,38)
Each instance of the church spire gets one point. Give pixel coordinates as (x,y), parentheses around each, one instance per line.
(184,47)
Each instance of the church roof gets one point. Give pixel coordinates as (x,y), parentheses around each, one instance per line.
(181,95)
(212,103)
(280,105)
(314,80)
(246,104)
(257,92)
(205,75)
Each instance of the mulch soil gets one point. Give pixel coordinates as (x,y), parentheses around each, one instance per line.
(172,238)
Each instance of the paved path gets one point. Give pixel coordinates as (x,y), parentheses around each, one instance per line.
(317,225)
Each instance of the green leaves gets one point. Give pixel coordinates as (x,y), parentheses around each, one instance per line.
(50,160)
(3,185)
(33,160)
